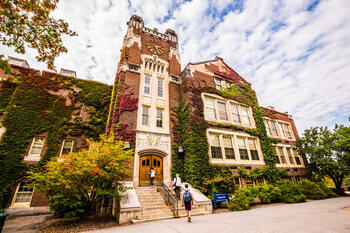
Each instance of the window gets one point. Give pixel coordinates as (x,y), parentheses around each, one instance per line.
(159,118)
(274,130)
(222,111)
(209,108)
(243,152)
(297,179)
(235,113)
(276,156)
(229,152)
(67,147)
(253,150)
(280,127)
(249,182)
(23,194)
(283,158)
(286,126)
(147,87)
(217,83)
(260,181)
(289,152)
(145,115)
(36,148)
(236,182)
(216,152)
(296,156)
(160,87)
(245,115)
(268,130)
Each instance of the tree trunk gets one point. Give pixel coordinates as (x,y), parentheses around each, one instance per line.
(338,181)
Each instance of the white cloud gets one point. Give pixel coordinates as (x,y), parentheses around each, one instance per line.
(297,60)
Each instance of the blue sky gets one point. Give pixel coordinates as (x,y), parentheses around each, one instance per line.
(295,53)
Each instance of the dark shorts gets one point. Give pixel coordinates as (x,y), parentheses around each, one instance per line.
(188,205)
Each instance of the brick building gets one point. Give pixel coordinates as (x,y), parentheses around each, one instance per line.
(147,86)
(149,73)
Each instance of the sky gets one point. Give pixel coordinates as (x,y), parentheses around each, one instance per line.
(296,53)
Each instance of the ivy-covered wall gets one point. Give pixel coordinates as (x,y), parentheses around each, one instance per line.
(33,103)
(189,129)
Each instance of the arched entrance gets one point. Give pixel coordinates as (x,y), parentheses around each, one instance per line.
(146,162)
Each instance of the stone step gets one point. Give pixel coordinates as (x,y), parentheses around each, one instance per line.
(135,221)
(157,212)
(155,216)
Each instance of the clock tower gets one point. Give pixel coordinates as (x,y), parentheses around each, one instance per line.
(145,85)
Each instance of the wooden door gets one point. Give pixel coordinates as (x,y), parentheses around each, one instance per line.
(146,162)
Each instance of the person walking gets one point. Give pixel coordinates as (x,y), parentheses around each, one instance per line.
(187,200)
(177,186)
(152,174)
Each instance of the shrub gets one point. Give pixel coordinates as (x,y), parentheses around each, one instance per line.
(269,193)
(241,200)
(80,181)
(312,190)
(326,190)
(290,192)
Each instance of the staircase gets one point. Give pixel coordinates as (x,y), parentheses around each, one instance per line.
(153,206)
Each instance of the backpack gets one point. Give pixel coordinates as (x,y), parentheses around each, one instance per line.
(187,196)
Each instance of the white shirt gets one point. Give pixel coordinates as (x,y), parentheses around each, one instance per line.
(153,173)
(177,181)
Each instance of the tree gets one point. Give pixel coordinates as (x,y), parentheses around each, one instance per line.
(328,152)
(76,183)
(28,23)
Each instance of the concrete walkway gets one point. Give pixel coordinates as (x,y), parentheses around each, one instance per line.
(323,216)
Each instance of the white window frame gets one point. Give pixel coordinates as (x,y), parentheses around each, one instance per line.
(147,85)
(32,147)
(236,114)
(218,83)
(225,107)
(160,118)
(228,105)
(21,204)
(160,87)
(144,115)
(71,149)
(206,98)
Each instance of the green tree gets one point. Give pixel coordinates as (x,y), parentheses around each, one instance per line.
(28,23)
(76,183)
(328,152)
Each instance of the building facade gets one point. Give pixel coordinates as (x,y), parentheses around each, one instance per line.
(147,88)
(149,76)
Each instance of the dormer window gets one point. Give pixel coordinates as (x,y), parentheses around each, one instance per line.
(218,83)
(17,62)
(68,73)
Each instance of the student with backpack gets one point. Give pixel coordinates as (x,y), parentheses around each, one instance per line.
(177,186)
(187,200)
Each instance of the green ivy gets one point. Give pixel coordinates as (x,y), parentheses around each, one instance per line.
(29,109)
(195,168)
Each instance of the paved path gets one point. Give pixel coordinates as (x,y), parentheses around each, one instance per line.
(324,216)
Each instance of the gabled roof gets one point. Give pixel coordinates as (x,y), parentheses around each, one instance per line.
(224,71)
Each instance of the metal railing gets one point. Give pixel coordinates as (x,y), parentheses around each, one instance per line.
(169,197)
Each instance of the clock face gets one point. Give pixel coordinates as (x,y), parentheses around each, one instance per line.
(155,47)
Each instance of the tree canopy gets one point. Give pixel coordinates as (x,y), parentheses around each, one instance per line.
(28,23)
(75,183)
(328,152)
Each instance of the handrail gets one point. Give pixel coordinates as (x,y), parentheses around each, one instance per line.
(169,197)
